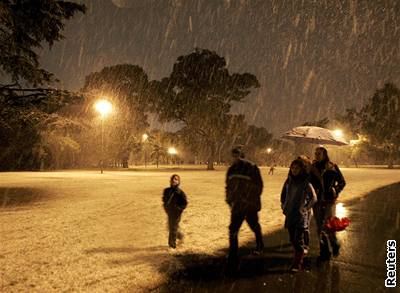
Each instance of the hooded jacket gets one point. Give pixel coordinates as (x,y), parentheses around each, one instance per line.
(297,198)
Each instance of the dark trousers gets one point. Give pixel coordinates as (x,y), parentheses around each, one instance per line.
(322,211)
(296,235)
(237,218)
(173,225)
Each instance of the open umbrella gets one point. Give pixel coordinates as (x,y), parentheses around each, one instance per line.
(315,135)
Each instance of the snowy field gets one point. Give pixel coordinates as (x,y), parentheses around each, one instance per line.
(83,231)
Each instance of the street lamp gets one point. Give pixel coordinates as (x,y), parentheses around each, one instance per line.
(144,139)
(338,133)
(269,150)
(104,107)
(172,151)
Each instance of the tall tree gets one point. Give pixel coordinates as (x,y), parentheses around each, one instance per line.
(256,141)
(126,86)
(380,120)
(25,25)
(199,93)
(378,123)
(24,120)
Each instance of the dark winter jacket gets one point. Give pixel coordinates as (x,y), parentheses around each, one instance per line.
(315,179)
(297,198)
(244,186)
(332,181)
(174,200)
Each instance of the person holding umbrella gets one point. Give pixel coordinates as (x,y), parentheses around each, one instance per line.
(333,183)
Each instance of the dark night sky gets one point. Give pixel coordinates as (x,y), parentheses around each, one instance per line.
(312,58)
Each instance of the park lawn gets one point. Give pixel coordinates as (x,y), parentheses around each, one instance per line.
(85,231)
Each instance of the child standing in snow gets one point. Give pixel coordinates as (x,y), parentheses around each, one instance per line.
(297,198)
(174,201)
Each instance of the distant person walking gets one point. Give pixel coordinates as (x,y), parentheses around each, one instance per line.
(297,198)
(244,186)
(174,202)
(332,184)
(271,170)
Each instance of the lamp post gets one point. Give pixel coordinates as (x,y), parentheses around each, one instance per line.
(172,151)
(104,107)
(144,139)
(269,150)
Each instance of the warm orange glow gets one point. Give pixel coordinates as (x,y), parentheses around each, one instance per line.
(172,151)
(338,133)
(341,211)
(104,107)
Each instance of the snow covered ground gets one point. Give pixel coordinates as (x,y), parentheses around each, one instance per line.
(83,231)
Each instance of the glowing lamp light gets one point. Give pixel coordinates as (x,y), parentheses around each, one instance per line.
(338,133)
(104,107)
(341,211)
(145,137)
(172,151)
(269,150)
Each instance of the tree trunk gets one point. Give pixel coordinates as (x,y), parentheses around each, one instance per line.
(390,158)
(390,163)
(219,151)
(355,162)
(210,164)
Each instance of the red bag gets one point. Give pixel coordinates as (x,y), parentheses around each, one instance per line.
(335,224)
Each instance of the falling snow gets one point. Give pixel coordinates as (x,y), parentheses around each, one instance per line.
(334,53)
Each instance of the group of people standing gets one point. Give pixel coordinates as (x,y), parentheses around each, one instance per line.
(310,185)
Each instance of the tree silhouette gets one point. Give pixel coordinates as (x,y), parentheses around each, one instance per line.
(199,93)
(380,120)
(24,27)
(126,86)
(24,108)
(378,123)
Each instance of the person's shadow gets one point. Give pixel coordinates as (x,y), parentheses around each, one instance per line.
(19,197)
(196,268)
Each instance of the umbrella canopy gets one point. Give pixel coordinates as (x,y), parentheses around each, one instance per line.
(314,134)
